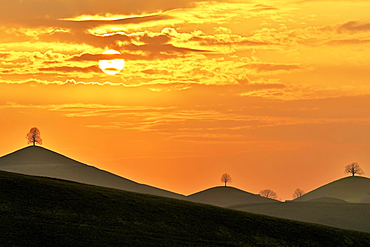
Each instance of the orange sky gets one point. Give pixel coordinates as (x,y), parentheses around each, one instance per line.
(274,93)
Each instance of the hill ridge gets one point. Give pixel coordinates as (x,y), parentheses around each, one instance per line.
(229,196)
(40,161)
(41,148)
(354,189)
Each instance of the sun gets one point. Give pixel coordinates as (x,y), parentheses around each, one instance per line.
(111,66)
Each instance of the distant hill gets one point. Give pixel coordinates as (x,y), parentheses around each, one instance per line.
(327,200)
(39,161)
(225,196)
(343,203)
(352,189)
(38,211)
(354,216)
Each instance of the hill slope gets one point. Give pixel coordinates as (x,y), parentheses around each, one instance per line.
(47,212)
(354,216)
(39,161)
(224,196)
(350,189)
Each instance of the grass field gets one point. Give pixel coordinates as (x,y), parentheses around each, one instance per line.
(38,211)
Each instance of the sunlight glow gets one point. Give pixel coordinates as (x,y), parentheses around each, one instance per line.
(111,66)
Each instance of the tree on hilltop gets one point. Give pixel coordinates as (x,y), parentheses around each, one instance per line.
(34,136)
(268,194)
(298,193)
(226,178)
(354,168)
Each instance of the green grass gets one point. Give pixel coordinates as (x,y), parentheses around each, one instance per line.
(38,211)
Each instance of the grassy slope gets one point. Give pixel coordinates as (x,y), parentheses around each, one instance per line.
(230,196)
(40,161)
(354,216)
(354,189)
(47,212)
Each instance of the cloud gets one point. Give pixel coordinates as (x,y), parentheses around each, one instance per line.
(56,22)
(349,42)
(96,21)
(263,7)
(269,68)
(96,57)
(35,81)
(218,39)
(233,122)
(133,53)
(93,110)
(335,109)
(261,67)
(16,58)
(354,26)
(30,10)
(158,51)
(69,69)
(155,71)
(135,46)
(149,47)
(78,26)
(174,48)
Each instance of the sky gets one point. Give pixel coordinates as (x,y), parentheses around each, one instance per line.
(274,93)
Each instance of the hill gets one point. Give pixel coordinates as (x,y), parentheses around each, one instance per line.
(38,211)
(225,196)
(39,161)
(343,203)
(351,189)
(327,200)
(353,216)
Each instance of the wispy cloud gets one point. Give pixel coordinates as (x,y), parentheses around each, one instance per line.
(69,69)
(354,26)
(265,67)
(349,42)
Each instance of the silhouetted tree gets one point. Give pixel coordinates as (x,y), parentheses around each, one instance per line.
(226,178)
(354,168)
(268,194)
(298,193)
(34,136)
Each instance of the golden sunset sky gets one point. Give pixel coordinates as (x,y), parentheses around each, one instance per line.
(274,93)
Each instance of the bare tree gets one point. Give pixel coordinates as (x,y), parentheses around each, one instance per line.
(298,193)
(268,194)
(353,168)
(226,178)
(34,136)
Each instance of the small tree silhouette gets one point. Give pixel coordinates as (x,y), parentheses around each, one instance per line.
(354,168)
(226,178)
(34,136)
(268,194)
(298,193)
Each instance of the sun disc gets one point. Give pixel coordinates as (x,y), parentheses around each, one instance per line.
(111,66)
